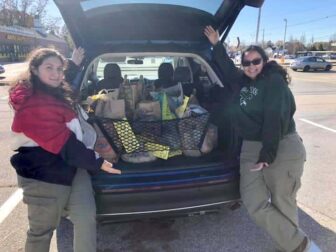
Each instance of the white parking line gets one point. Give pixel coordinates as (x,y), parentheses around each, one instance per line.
(317,125)
(10,204)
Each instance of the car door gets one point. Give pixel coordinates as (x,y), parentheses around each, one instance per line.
(320,63)
(312,63)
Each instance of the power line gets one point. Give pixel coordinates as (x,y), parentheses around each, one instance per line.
(305,22)
(312,21)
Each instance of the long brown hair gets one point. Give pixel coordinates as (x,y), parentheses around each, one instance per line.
(269,66)
(34,60)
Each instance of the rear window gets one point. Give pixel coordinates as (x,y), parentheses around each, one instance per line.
(301,59)
(134,67)
(189,70)
(205,5)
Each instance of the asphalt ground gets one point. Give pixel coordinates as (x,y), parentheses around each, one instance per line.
(315,94)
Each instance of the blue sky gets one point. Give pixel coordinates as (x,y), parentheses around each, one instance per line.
(311,18)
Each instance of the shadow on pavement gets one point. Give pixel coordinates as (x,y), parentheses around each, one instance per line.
(323,237)
(228,231)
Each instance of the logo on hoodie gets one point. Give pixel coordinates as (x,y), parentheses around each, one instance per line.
(247,94)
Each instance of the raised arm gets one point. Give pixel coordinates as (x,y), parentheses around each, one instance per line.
(225,64)
(74,64)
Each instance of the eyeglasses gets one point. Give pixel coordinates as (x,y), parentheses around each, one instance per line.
(255,62)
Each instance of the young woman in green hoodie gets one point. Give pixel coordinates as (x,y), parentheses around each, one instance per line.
(272,154)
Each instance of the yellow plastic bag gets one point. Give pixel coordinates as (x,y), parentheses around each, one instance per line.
(126,135)
(166,113)
(163,151)
(180,110)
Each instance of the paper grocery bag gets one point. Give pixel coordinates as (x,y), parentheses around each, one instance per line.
(148,110)
(131,93)
(103,147)
(210,140)
(114,109)
(104,94)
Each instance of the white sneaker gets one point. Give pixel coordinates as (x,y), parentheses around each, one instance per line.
(312,247)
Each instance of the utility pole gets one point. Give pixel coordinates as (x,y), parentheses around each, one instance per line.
(263,40)
(258,24)
(284,41)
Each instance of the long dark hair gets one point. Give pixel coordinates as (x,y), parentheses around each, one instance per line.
(63,92)
(269,66)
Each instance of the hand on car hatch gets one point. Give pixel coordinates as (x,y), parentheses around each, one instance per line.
(211,34)
(259,166)
(78,55)
(108,167)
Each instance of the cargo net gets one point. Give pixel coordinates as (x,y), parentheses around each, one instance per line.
(128,136)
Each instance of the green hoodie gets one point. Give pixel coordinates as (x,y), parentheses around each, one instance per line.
(262,109)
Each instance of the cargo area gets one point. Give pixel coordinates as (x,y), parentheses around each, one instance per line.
(177,120)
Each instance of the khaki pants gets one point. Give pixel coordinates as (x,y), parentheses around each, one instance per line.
(270,194)
(46,203)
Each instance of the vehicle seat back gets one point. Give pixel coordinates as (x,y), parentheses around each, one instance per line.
(183,75)
(112,77)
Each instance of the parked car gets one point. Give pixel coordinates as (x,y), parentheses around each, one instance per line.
(289,56)
(329,56)
(310,63)
(112,31)
(2,69)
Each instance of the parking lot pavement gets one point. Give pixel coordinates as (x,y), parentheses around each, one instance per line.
(315,95)
(226,231)
(12,71)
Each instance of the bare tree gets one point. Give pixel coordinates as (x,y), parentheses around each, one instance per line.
(303,39)
(25,6)
(66,36)
(17,11)
(333,37)
(39,7)
(53,25)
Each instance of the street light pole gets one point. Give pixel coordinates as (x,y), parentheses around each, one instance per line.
(284,40)
(257,34)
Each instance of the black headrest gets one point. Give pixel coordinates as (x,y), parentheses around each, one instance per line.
(182,74)
(166,71)
(112,71)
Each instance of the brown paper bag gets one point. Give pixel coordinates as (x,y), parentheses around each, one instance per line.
(103,147)
(210,140)
(148,111)
(131,93)
(108,105)
(114,109)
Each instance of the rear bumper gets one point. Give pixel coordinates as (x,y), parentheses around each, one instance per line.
(200,198)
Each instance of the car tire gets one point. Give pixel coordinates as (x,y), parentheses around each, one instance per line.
(306,68)
(328,67)
(294,69)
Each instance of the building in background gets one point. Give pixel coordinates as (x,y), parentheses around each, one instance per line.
(17,41)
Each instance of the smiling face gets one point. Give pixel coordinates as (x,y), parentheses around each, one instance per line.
(253,69)
(50,72)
